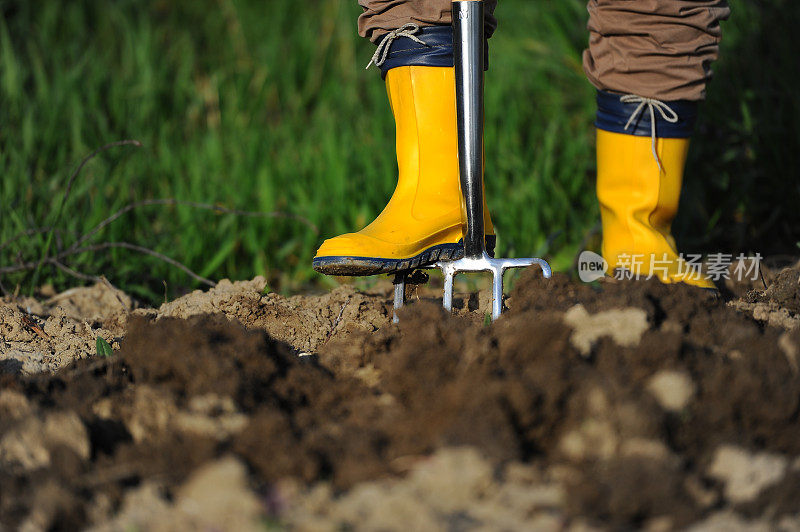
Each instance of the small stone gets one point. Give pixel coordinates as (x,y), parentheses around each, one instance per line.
(624,326)
(13,405)
(595,439)
(149,413)
(217,497)
(28,445)
(453,475)
(744,474)
(672,389)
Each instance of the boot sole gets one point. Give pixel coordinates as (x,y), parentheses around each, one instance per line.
(359,266)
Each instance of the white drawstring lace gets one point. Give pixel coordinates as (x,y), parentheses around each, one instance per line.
(667,113)
(406,30)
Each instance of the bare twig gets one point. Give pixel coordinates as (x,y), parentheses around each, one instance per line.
(48,242)
(95,153)
(146,251)
(114,290)
(30,322)
(30,232)
(74,248)
(336,322)
(205,206)
(56,260)
(66,294)
(74,273)
(22,266)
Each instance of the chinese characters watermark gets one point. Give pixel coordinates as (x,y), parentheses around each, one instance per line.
(716,267)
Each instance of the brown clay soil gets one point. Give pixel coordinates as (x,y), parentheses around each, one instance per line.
(625,405)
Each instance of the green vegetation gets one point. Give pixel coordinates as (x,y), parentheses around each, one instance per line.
(265,106)
(103,348)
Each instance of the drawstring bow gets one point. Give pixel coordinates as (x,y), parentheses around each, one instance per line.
(406,30)
(653,105)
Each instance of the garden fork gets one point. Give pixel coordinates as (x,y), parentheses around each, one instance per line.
(468,52)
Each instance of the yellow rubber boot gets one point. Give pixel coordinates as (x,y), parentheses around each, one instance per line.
(423,221)
(638,201)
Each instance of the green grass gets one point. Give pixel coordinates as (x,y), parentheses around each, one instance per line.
(265,106)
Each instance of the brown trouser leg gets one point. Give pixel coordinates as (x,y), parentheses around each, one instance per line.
(659,49)
(382,16)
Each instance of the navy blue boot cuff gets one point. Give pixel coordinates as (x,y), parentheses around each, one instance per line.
(437,50)
(613,114)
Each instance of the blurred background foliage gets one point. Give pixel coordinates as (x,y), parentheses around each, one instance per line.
(265,106)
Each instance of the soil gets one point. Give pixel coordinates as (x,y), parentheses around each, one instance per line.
(617,405)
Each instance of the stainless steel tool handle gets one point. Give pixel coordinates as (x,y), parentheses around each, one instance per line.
(468,42)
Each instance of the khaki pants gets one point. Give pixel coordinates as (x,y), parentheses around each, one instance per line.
(659,49)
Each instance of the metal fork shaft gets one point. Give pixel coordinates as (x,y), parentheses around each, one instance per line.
(468,17)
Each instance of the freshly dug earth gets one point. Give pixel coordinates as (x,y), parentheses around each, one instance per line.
(616,406)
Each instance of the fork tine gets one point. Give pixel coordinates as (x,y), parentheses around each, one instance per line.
(399,294)
(447,300)
(497,293)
